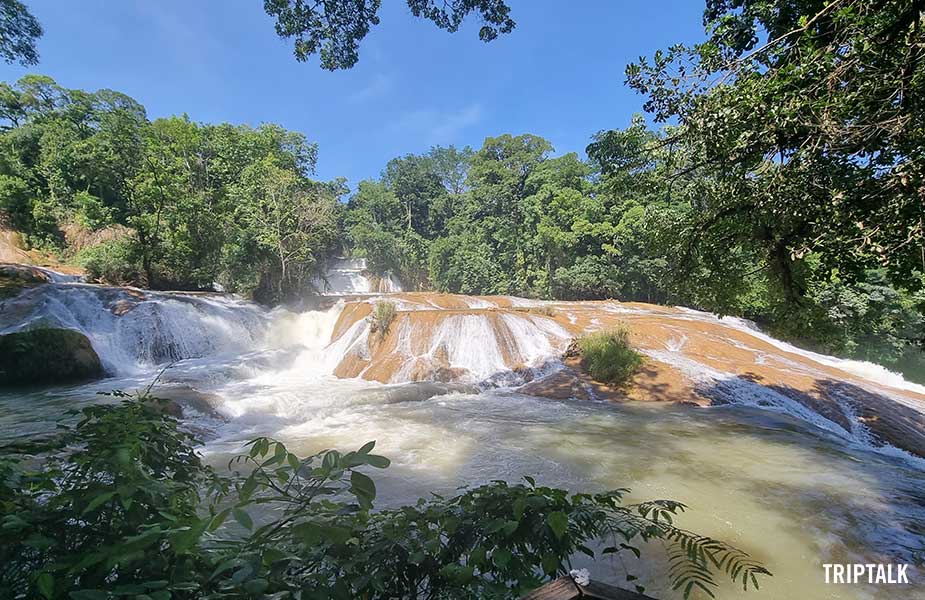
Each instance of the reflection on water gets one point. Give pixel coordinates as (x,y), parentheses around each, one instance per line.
(788,494)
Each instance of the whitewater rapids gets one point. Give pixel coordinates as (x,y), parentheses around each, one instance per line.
(784,459)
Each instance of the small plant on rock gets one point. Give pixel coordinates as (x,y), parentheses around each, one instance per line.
(381,319)
(608,356)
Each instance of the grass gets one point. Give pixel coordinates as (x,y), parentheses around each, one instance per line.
(608,356)
(381,318)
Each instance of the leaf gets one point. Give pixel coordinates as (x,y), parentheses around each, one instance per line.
(362,487)
(218,519)
(293,461)
(367,447)
(632,549)
(520,505)
(45,583)
(98,501)
(242,517)
(550,564)
(248,488)
(501,557)
(558,522)
(379,462)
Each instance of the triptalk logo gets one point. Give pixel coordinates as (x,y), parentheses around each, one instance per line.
(866,573)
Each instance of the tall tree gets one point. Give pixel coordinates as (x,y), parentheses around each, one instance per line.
(19,31)
(289,218)
(808,118)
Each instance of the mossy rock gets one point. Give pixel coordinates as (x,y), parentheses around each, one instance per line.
(47,356)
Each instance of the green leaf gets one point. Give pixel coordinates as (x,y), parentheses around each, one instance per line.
(243,518)
(380,462)
(248,488)
(98,501)
(362,486)
(45,583)
(293,461)
(558,522)
(218,519)
(520,505)
(501,557)
(550,564)
(367,447)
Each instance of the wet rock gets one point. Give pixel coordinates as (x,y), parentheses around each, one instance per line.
(47,355)
(181,397)
(561,385)
(23,273)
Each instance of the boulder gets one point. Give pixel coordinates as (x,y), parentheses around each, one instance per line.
(47,355)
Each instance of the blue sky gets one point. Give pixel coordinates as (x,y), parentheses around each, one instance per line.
(559,74)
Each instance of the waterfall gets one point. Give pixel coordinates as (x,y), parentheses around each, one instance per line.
(132,330)
(349,276)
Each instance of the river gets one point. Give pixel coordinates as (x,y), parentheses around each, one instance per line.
(795,484)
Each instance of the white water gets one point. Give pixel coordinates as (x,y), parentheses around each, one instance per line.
(157,328)
(764,473)
(349,276)
(866,370)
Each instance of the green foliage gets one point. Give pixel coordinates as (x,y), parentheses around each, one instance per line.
(205,203)
(116,262)
(91,213)
(334,29)
(381,318)
(120,505)
(608,356)
(19,31)
(802,118)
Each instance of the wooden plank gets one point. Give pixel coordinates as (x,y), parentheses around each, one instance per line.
(566,589)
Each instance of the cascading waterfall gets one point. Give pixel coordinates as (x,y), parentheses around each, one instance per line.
(133,330)
(349,276)
(440,393)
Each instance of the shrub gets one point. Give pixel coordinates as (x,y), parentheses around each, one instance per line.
(116,262)
(608,357)
(381,319)
(121,505)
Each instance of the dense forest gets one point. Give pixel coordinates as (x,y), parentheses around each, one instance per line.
(172,203)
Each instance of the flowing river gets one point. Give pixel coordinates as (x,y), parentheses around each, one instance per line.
(785,462)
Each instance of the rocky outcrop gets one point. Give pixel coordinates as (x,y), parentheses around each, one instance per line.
(47,355)
(690,358)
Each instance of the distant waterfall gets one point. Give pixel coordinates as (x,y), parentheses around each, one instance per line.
(346,276)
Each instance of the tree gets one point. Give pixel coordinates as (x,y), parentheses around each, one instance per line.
(19,31)
(289,218)
(806,118)
(334,28)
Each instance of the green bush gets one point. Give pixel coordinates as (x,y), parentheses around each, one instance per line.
(121,505)
(608,357)
(91,212)
(381,319)
(117,262)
